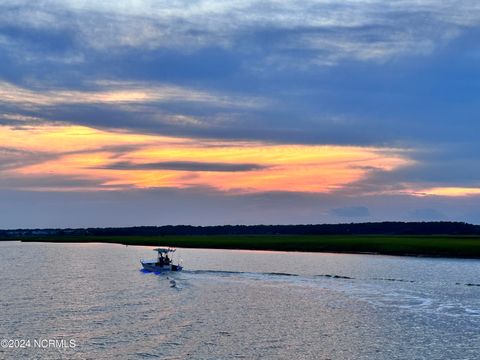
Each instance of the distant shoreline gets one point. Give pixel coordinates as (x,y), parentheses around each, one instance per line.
(446,246)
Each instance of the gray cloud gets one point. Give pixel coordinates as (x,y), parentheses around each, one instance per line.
(446,166)
(11,158)
(333,30)
(184,166)
(360,98)
(49,182)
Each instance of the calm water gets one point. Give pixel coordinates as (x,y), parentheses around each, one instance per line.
(237,304)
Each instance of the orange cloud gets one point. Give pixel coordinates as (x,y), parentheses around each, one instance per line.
(449,191)
(160,161)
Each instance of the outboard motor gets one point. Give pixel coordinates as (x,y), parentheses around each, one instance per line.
(174,267)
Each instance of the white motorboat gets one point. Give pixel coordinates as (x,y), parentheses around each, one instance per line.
(163,262)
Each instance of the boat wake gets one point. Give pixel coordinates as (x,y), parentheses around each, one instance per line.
(379,291)
(230,273)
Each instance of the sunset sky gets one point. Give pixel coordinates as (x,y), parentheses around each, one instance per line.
(238,112)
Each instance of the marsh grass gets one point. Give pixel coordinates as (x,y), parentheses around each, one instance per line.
(435,245)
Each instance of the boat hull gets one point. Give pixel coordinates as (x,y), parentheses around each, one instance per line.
(152,266)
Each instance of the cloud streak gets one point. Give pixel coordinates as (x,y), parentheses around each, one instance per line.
(366,30)
(123,93)
(184,166)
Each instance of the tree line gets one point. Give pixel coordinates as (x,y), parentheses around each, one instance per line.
(371,228)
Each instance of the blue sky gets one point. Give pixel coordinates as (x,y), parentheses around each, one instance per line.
(396,83)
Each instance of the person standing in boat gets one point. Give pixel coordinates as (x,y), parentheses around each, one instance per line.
(167,260)
(160,260)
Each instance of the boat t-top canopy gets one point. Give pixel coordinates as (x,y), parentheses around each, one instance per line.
(164,250)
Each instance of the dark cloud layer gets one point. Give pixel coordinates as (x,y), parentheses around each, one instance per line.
(402,74)
(183,166)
